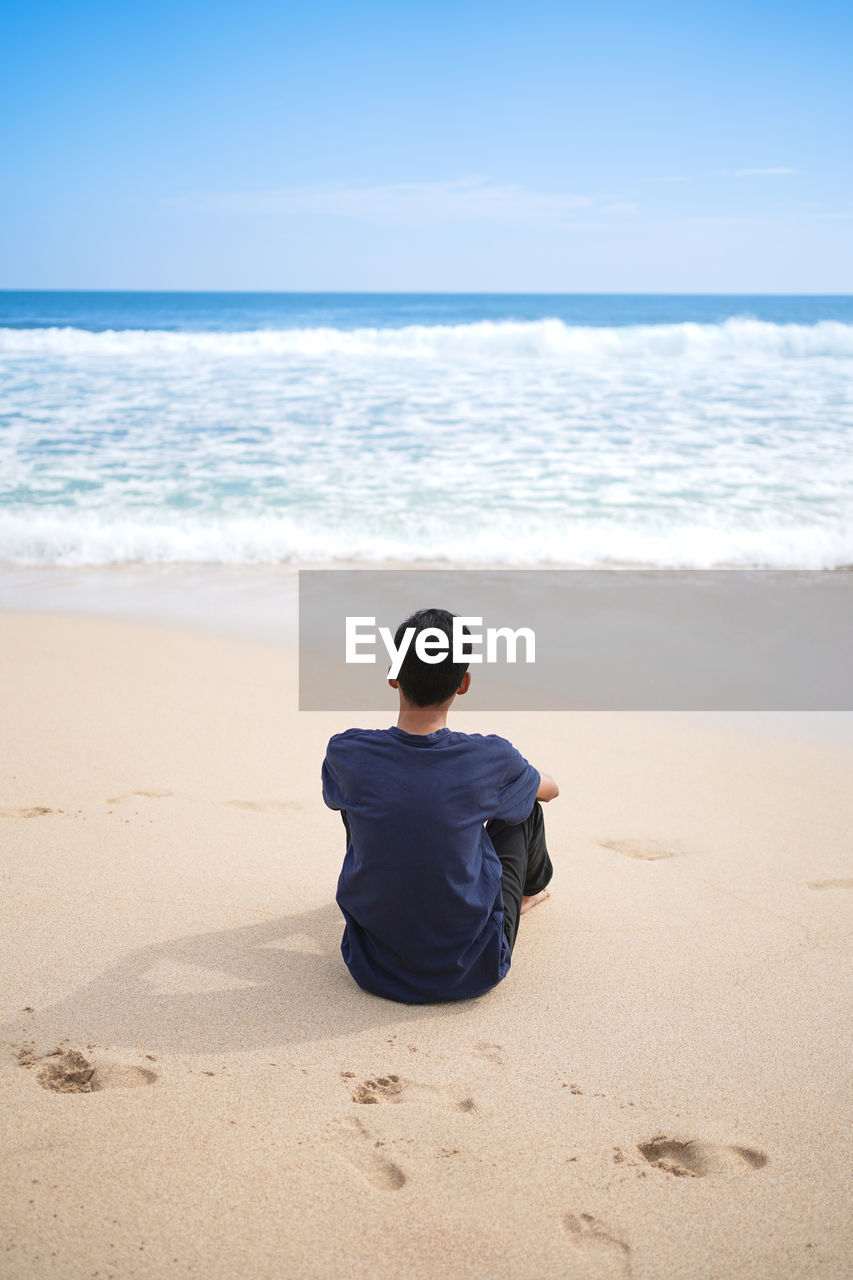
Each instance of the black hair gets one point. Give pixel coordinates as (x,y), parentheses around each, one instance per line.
(426,684)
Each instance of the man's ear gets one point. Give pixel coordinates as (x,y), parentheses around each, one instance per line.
(395,684)
(465,685)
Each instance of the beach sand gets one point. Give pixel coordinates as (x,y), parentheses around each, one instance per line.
(658,1088)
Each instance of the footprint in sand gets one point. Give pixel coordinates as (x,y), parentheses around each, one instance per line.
(69,1071)
(364,1153)
(603,1253)
(694,1159)
(831,884)
(35,811)
(645,850)
(392,1088)
(381,1089)
(489,1052)
(263,806)
(147,795)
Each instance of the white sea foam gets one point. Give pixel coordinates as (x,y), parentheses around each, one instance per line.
(514,443)
(111,538)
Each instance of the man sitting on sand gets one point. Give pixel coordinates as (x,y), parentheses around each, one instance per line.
(445,839)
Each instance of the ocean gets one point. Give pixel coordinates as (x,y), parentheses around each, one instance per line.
(266,429)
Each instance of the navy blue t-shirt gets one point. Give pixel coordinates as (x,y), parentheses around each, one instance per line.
(420,888)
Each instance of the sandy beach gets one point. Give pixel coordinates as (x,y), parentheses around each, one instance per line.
(335,339)
(193,1085)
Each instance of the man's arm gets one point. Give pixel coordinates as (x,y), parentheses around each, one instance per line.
(548,789)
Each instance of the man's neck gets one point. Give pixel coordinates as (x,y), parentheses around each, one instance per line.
(422,720)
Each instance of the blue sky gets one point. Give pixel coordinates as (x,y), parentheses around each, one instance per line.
(469,146)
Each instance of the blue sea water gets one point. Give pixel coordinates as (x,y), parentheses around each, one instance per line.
(480,429)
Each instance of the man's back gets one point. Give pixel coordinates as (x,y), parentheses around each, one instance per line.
(420,887)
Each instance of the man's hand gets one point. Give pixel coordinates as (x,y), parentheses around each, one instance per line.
(548,789)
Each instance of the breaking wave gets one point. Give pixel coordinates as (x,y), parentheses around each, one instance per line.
(736,338)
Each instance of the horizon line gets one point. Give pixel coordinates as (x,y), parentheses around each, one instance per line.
(450,293)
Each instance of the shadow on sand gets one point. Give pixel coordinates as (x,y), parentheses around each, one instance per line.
(280,982)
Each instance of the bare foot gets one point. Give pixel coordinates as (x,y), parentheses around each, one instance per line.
(527,903)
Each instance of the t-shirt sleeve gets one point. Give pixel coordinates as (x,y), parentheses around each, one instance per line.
(517,791)
(332,788)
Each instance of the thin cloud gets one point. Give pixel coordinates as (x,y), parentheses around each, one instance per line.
(763,173)
(622,209)
(403,203)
